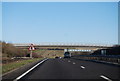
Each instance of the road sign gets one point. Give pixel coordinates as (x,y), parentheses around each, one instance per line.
(31,48)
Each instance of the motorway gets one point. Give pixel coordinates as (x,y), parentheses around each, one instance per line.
(68,68)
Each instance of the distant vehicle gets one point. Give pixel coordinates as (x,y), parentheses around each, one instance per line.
(60,57)
(56,57)
(67,55)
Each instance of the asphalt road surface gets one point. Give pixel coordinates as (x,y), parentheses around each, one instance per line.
(67,68)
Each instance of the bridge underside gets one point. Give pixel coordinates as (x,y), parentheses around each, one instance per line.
(52,50)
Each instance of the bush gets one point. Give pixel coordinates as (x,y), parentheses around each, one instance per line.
(11,51)
(35,55)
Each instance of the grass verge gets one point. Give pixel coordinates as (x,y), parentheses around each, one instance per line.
(17,64)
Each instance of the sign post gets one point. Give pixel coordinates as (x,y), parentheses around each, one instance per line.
(31,48)
(31,54)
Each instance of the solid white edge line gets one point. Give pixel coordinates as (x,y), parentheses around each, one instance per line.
(104,77)
(29,70)
(82,67)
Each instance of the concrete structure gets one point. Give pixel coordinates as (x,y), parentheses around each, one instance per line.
(63,46)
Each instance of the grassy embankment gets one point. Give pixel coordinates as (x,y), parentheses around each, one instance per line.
(44,53)
(50,53)
(14,65)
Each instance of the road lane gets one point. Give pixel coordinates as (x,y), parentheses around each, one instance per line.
(25,73)
(72,69)
(106,69)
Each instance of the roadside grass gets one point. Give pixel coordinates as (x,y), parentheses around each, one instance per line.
(50,53)
(14,65)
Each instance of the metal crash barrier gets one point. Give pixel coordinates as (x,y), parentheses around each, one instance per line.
(107,58)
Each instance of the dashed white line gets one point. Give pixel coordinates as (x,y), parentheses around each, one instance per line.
(82,67)
(68,60)
(29,70)
(73,62)
(115,63)
(104,77)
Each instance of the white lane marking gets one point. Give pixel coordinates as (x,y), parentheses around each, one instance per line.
(115,63)
(82,67)
(73,62)
(68,60)
(29,70)
(104,77)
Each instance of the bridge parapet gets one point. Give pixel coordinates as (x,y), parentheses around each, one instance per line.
(64,44)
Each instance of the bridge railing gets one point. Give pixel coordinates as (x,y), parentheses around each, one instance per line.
(63,44)
(105,58)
